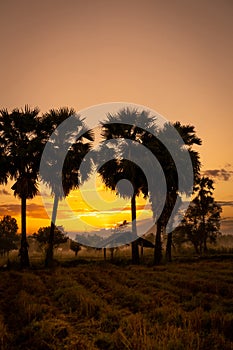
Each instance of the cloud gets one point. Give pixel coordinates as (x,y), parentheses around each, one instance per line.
(33,210)
(128,208)
(5,192)
(10,209)
(226,203)
(36,211)
(219,174)
(83,210)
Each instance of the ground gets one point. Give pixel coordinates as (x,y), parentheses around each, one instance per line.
(98,305)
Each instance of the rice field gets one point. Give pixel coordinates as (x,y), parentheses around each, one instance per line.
(101,305)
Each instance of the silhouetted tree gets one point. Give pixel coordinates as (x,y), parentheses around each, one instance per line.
(63,177)
(202,220)
(174,190)
(188,134)
(75,246)
(8,234)
(125,126)
(42,237)
(22,153)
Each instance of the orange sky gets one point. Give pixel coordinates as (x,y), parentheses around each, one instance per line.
(174,56)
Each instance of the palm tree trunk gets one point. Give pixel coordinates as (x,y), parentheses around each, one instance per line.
(158,244)
(134,244)
(24,258)
(170,200)
(49,252)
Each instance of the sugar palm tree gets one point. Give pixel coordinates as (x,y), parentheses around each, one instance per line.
(188,135)
(126,125)
(22,151)
(63,177)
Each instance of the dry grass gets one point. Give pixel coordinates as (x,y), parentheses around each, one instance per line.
(104,306)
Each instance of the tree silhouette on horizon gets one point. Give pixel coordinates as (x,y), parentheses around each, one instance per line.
(125,126)
(22,152)
(62,178)
(201,222)
(174,190)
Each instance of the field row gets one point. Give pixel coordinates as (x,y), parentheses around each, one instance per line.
(103,306)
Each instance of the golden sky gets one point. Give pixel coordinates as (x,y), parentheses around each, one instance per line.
(174,56)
